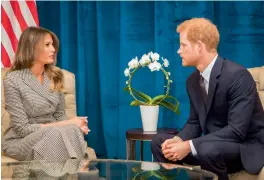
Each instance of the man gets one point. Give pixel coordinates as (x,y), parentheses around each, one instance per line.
(225,130)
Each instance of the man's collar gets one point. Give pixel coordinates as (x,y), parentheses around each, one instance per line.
(207,72)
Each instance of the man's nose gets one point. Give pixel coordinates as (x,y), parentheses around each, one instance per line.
(179,51)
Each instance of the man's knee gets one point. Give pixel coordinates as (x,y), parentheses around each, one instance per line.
(208,151)
(156,141)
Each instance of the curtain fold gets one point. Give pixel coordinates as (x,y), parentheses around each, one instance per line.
(98,39)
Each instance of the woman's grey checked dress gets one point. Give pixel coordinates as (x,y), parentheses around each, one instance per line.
(30,104)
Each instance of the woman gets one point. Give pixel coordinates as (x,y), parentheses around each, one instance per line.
(40,129)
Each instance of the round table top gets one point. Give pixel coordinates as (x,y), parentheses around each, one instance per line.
(99,169)
(139,134)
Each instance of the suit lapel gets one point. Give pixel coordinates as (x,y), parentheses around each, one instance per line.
(42,89)
(204,107)
(215,73)
(198,97)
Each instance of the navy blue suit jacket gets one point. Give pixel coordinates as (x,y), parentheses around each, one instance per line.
(232,113)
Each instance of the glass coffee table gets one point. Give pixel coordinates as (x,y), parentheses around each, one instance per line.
(100,169)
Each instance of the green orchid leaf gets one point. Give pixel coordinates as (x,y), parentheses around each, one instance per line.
(146,176)
(159,175)
(139,94)
(136,169)
(160,97)
(171,97)
(170,106)
(136,103)
(157,98)
(142,174)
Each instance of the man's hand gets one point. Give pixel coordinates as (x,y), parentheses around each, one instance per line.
(177,151)
(173,142)
(176,139)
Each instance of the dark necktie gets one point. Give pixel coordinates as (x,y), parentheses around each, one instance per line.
(203,90)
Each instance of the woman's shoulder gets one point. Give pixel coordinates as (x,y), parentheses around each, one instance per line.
(13,75)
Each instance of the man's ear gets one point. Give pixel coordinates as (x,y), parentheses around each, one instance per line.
(199,45)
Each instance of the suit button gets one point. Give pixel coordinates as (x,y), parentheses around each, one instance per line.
(41,109)
(37,117)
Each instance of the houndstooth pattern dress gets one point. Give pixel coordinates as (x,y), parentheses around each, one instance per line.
(30,104)
(63,170)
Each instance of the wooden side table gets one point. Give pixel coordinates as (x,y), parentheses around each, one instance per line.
(132,135)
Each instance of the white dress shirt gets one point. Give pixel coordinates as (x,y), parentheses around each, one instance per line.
(206,75)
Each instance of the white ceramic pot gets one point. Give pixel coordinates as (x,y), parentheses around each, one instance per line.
(149,166)
(149,116)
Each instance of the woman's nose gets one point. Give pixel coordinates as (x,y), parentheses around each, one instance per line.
(52,49)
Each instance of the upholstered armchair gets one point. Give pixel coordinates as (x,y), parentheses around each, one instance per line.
(70,105)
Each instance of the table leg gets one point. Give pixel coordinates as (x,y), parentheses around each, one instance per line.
(130,149)
(133,149)
(141,150)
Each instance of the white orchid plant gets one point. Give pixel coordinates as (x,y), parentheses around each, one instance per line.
(152,61)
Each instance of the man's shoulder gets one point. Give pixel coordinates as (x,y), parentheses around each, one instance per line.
(232,66)
(192,76)
(232,72)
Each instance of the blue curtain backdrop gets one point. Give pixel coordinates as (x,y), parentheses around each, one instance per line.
(98,39)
